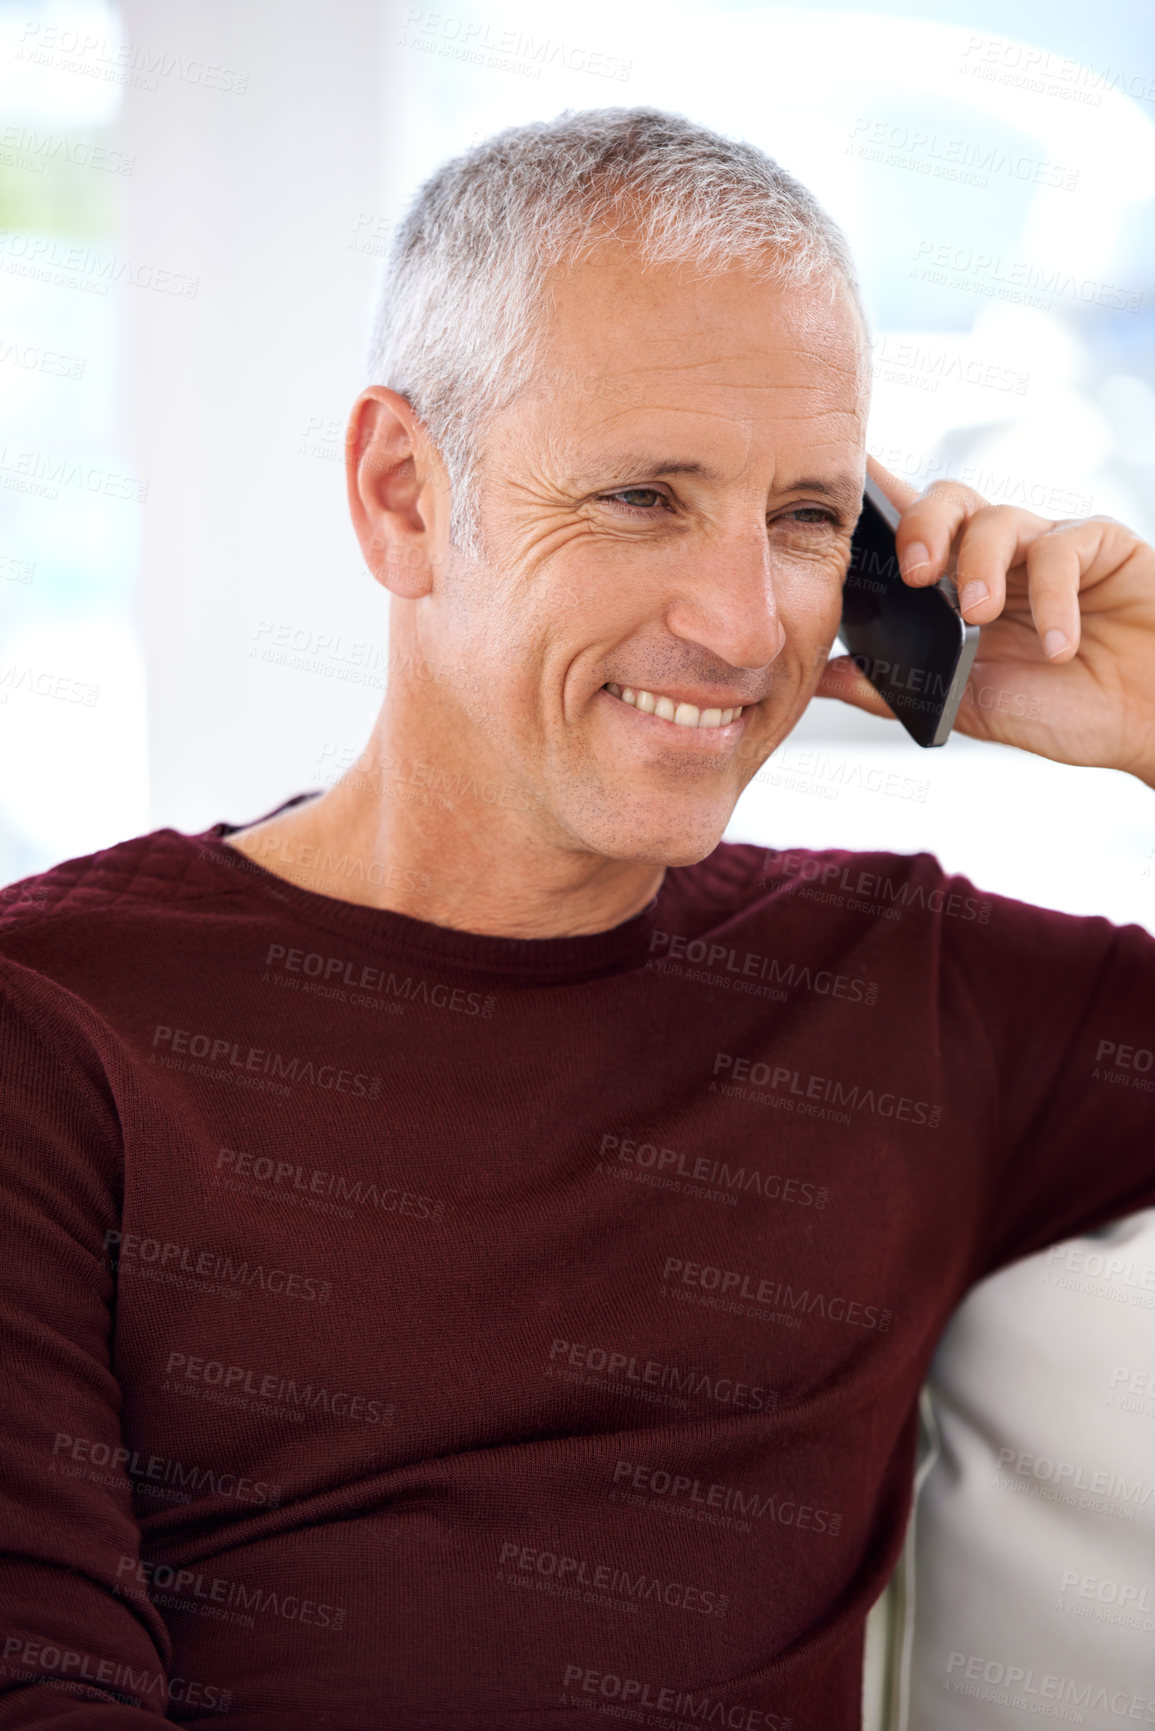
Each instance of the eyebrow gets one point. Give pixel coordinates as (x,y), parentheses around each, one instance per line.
(645,463)
(842,490)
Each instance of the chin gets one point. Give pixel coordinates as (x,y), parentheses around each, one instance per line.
(687,856)
(672,842)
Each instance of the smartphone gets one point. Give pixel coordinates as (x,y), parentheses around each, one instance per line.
(913,645)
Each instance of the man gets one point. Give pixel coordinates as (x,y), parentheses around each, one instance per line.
(476,1238)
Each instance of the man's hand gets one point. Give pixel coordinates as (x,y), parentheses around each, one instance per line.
(1066,659)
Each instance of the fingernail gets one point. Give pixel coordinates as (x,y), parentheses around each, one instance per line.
(1055,642)
(915,556)
(972,595)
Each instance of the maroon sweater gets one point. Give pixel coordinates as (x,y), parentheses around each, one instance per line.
(412,1328)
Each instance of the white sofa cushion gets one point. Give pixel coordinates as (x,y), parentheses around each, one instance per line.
(1027,1585)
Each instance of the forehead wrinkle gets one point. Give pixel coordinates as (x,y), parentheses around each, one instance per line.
(659,453)
(578,450)
(824,347)
(821,368)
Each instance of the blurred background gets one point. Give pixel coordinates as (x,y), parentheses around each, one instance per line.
(194,203)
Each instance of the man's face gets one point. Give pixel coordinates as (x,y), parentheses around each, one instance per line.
(668,509)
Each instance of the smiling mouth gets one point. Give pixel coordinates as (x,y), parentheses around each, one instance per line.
(681,714)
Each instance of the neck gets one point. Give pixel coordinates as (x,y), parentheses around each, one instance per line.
(438,837)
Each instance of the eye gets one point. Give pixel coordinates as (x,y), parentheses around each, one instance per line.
(650,496)
(813,514)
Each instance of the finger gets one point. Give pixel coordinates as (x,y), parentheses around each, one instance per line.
(992,540)
(924,535)
(900,493)
(842,678)
(1055,563)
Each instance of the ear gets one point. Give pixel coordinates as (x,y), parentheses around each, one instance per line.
(397,495)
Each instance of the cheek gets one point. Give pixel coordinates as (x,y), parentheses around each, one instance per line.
(809,594)
(546,576)
(523,536)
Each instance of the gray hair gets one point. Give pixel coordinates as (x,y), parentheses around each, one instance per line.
(458,319)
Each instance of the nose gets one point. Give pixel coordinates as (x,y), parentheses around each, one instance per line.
(725,600)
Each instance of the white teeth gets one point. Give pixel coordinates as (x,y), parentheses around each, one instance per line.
(682,714)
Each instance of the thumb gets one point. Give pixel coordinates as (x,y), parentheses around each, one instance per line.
(843,679)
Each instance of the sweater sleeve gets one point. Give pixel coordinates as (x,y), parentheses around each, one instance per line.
(1068,1004)
(75,1656)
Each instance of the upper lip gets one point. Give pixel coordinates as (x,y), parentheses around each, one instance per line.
(700,696)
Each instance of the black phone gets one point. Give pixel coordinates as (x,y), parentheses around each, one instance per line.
(913,645)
